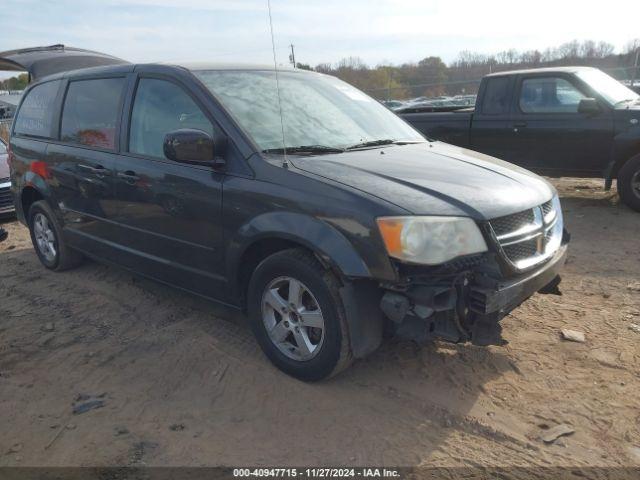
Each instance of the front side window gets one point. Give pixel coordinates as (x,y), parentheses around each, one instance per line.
(161,107)
(35,117)
(90,112)
(314,109)
(549,95)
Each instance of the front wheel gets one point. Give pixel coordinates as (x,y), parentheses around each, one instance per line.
(629,183)
(297,315)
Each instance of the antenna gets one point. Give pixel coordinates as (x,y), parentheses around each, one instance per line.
(285,163)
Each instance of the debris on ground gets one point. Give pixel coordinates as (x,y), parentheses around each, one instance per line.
(122,430)
(573,336)
(635,327)
(556,432)
(84,403)
(177,427)
(15,448)
(48,327)
(634,287)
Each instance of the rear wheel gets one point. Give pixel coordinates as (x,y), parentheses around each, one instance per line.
(629,183)
(297,315)
(46,236)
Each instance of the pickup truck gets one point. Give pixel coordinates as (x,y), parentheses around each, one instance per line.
(568,121)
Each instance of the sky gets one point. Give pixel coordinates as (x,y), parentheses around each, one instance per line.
(378,31)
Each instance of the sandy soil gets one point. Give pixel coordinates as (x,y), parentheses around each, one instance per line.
(184,383)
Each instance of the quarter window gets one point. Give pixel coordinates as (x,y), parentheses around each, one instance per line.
(35,117)
(90,113)
(159,108)
(496,96)
(549,95)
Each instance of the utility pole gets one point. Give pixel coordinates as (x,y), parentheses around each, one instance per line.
(292,56)
(635,68)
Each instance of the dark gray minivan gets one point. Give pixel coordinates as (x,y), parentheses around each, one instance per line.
(290,195)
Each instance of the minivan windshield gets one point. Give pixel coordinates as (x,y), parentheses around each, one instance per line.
(611,89)
(318,111)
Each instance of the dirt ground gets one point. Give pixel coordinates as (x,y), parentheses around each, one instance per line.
(183,382)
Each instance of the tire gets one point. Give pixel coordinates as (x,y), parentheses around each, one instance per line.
(629,183)
(327,350)
(45,228)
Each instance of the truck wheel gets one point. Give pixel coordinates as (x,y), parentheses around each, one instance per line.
(297,316)
(629,183)
(46,236)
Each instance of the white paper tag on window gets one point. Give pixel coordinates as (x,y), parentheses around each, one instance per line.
(352,93)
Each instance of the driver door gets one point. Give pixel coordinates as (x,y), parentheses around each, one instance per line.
(550,136)
(169,213)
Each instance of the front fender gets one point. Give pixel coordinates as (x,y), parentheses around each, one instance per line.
(626,145)
(328,243)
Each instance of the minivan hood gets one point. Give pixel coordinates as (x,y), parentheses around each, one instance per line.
(434,179)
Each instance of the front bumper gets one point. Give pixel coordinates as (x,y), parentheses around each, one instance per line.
(490,295)
(469,307)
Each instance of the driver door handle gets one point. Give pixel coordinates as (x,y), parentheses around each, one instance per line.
(518,125)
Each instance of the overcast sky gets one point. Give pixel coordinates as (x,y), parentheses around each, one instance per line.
(378,31)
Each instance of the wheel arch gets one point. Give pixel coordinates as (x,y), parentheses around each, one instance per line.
(272,232)
(626,147)
(35,189)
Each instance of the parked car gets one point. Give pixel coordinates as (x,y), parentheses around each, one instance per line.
(348,224)
(6,199)
(570,121)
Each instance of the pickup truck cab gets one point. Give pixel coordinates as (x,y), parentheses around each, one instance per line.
(290,195)
(571,121)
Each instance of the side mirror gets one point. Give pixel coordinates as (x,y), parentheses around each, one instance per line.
(588,106)
(189,145)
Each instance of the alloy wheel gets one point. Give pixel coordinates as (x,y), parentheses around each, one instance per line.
(635,184)
(45,238)
(293,318)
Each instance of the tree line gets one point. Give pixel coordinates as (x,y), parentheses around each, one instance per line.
(18,82)
(432,77)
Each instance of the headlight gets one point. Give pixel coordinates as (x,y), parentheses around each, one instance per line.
(430,240)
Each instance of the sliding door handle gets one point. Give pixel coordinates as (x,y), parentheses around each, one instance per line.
(128,176)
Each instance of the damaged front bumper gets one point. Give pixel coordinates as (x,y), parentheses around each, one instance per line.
(466,306)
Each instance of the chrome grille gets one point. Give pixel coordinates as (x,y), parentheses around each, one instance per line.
(521,251)
(6,200)
(529,237)
(512,223)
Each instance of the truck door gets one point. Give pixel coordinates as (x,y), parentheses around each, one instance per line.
(490,132)
(550,136)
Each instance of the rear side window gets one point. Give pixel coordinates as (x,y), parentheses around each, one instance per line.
(159,108)
(496,96)
(35,117)
(90,112)
(549,95)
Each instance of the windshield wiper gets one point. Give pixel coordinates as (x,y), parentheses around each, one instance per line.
(620,102)
(305,149)
(372,143)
